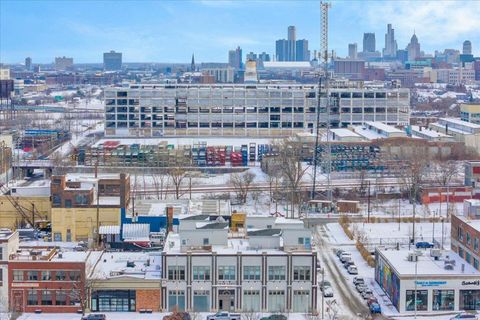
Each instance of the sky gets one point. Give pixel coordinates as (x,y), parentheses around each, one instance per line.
(171,30)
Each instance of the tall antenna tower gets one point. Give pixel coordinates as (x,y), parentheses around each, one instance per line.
(324,7)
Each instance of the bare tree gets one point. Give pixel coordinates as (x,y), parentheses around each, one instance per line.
(160,183)
(242,182)
(177,176)
(445,171)
(250,315)
(292,169)
(6,312)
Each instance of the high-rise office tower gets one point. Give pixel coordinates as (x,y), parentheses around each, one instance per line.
(192,63)
(235,58)
(251,56)
(28,63)
(112,61)
(413,48)
(301,51)
(63,63)
(390,50)
(281,51)
(369,42)
(467,47)
(264,56)
(352,51)
(292,38)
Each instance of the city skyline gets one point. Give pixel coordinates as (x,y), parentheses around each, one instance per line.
(210,29)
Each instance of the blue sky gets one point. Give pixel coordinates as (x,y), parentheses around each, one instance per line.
(169,31)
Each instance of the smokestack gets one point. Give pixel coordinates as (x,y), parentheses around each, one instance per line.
(169,219)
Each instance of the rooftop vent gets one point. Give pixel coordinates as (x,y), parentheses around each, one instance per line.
(130,264)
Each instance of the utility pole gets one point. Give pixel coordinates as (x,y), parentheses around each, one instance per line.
(368,203)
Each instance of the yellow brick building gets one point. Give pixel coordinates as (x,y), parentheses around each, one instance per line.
(10,217)
(80,224)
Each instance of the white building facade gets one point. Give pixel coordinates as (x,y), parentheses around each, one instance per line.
(244,110)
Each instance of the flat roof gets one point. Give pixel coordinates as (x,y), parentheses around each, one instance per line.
(461,122)
(429,132)
(141,265)
(345,133)
(427,265)
(474,223)
(384,127)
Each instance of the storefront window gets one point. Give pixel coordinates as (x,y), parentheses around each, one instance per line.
(251,300)
(422,300)
(113,300)
(32,298)
(443,300)
(201,300)
(469,299)
(276,300)
(60,297)
(176,300)
(301,301)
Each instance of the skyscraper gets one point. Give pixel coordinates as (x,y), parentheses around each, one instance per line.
(369,42)
(112,61)
(63,63)
(292,38)
(235,58)
(192,64)
(390,50)
(28,63)
(301,51)
(352,51)
(467,47)
(281,51)
(413,48)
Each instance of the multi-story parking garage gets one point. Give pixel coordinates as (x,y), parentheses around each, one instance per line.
(153,110)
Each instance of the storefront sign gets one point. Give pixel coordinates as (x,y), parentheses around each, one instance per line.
(24,285)
(430,283)
(471,283)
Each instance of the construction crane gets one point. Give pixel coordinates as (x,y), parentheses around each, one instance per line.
(324,7)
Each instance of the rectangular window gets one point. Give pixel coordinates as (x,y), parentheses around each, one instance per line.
(301,301)
(460,252)
(176,300)
(276,301)
(422,300)
(60,275)
(301,273)
(176,273)
(201,273)
(469,299)
(46,275)
(468,257)
(200,300)
(226,273)
(46,298)
(74,275)
(276,273)
(17,275)
(60,298)
(32,297)
(475,263)
(251,273)
(443,300)
(469,240)
(75,296)
(32,275)
(475,244)
(251,301)
(460,233)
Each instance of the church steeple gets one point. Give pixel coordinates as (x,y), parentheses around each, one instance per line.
(192,65)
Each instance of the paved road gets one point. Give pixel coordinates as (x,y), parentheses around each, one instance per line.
(352,306)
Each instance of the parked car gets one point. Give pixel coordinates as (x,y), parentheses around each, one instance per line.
(275,317)
(224,316)
(345,257)
(339,252)
(348,264)
(177,316)
(361,287)
(328,292)
(352,270)
(367,294)
(464,315)
(424,245)
(95,316)
(324,284)
(375,308)
(358,280)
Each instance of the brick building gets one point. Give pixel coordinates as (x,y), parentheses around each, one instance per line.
(465,233)
(48,280)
